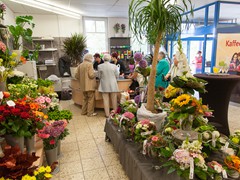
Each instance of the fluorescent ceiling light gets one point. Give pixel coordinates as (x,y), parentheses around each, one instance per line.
(49,7)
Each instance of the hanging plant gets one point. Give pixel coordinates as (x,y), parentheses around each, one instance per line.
(123,28)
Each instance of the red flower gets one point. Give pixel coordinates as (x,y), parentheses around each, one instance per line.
(52,142)
(6,113)
(2,108)
(15,111)
(2,118)
(25,115)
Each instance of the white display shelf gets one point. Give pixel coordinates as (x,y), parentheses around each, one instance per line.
(44,39)
(47,50)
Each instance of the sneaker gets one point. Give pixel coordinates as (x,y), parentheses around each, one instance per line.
(93,114)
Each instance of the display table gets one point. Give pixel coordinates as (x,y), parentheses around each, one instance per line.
(77,95)
(136,165)
(219,91)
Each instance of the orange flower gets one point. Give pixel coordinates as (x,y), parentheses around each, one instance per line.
(45,116)
(23,59)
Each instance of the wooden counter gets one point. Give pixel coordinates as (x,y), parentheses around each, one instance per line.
(77,95)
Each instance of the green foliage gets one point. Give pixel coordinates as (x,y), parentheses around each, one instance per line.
(149,18)
(19,91)
(33,55)
(19,31)
(189,84)
(74,47)
(44,83)
(60,115)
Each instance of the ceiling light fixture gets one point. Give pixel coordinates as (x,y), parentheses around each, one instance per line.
(49,7)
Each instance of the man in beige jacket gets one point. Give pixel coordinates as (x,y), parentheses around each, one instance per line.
(85,74)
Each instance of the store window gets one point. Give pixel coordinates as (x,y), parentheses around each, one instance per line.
(95,30)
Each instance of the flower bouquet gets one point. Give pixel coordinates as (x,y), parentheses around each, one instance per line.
(189,161)
(129,106)
(19,91)
(188,84)
(172,92)
(127,121)
(8,61)
(235,141)
(116,27)
(143,69)
(15,77)
(143,130)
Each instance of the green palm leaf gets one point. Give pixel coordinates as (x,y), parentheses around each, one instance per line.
(155,19)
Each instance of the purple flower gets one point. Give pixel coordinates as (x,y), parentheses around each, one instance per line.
(137,99)
(138,56)
(143,63)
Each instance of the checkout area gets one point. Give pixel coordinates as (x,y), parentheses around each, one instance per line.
(77,95)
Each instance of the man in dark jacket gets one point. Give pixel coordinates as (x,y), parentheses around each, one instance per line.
(97,61)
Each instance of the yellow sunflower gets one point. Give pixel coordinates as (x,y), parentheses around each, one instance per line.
(182,100)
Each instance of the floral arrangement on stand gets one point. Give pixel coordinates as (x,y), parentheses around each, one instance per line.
(143,130)
(144,70)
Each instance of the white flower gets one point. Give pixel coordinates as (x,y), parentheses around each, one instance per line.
(217,168)
(206,135)
(1,95)
(216,134)
(139,126)
(11,103)
(228,151)
(145,125)
(16,73)
(2,69)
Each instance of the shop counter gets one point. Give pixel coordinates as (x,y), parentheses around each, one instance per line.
(77,95)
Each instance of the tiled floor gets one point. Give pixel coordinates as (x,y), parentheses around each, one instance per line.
(86,155)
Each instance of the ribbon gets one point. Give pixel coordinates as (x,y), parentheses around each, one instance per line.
(224,174)
(213,140)
(146,133)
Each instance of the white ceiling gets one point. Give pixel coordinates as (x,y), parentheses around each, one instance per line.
(111,8)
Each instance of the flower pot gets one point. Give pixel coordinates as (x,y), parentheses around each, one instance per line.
(59,149)
(2,85)
(13,141)
(51,155)
(30,144)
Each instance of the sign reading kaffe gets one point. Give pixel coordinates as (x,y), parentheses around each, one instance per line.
(228,50)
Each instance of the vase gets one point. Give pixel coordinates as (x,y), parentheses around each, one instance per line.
(186,124)
(13,141)
(2,85)
(59,149)
(51,155)
(30,144)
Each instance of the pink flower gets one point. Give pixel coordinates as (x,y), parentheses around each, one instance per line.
(129,115)
(41,101)
(182,156)
(208,114)
(48,100)
(154,138)
(145,121)
(43,136)
(2,47)
(52,142)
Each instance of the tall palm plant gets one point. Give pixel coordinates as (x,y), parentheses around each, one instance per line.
(74,47)
(155,19)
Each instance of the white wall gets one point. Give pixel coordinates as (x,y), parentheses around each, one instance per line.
(113,21)
(9,18)
(55,25)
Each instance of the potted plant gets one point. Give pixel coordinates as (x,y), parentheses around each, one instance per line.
(74,47)
(123,28)
(20,33)
(116,28)
(156,19)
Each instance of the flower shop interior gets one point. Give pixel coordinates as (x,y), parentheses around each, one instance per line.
(174,112)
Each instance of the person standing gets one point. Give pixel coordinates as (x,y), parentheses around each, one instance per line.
(162,70)
(97,61)
(108,74)
(118,62)
(86,76)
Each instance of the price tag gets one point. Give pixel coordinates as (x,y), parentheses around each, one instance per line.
(224,173)
(144,147)
(191,174)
